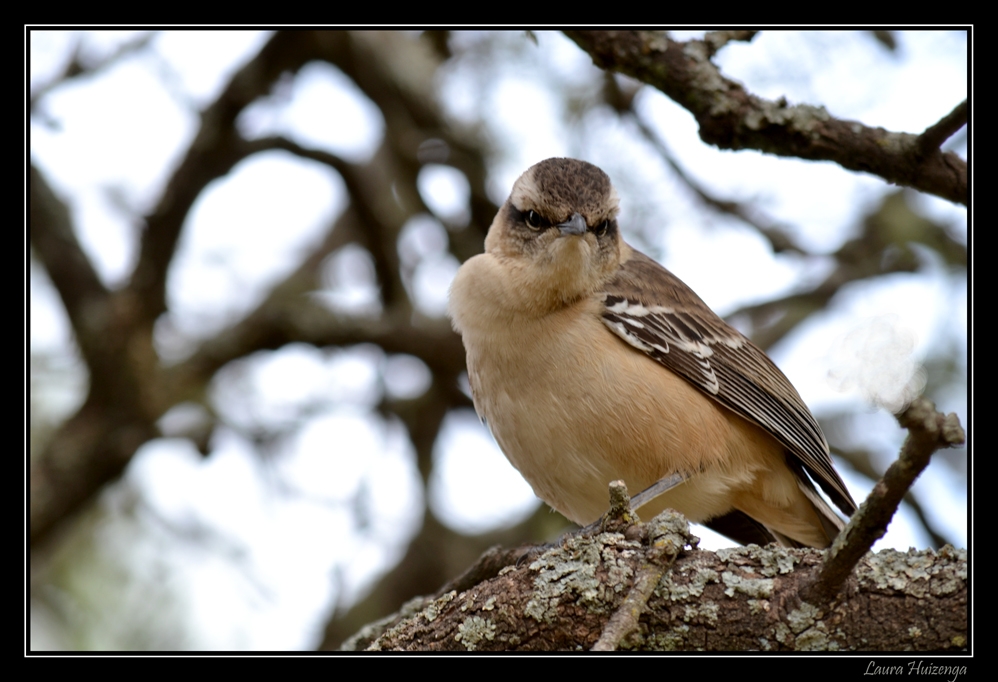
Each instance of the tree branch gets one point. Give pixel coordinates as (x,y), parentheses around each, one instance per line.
(666,536)
(718,39)
(730,600)
(54,241)
(214,151)
(95,444)
(884,246)
(78,67)
(732,118)
(129,388)
(940,131)
(862,461)
(779,239)
(928,431)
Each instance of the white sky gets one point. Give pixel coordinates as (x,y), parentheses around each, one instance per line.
(291,518)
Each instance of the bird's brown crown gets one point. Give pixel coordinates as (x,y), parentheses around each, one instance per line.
(560,187)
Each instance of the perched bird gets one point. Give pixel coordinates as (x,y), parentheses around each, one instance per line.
(590,362)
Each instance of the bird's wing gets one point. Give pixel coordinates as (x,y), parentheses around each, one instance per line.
(651,309)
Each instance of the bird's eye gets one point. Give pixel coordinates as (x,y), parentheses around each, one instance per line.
(602,228)
(534,221)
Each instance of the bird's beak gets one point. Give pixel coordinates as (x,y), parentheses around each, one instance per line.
(575,225)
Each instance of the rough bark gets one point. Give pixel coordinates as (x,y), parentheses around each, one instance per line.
(739,599)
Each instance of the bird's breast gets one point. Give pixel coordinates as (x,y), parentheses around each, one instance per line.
(573,408)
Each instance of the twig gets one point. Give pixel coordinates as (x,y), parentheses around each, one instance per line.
(779,240)
(666,535)
(860,460)
(940,131)
(625,619)
(928,431)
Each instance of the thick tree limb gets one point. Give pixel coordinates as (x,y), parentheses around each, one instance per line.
(723,601)
(95,444)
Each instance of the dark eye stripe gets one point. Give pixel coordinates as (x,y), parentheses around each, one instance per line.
(535,221)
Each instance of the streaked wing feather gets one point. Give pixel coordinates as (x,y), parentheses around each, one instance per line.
(652,310)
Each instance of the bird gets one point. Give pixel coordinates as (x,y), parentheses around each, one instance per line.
(590,362)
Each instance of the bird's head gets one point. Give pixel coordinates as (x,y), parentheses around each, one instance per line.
(558,230)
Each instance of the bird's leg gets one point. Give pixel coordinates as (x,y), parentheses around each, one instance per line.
(654,490)
(621,507)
